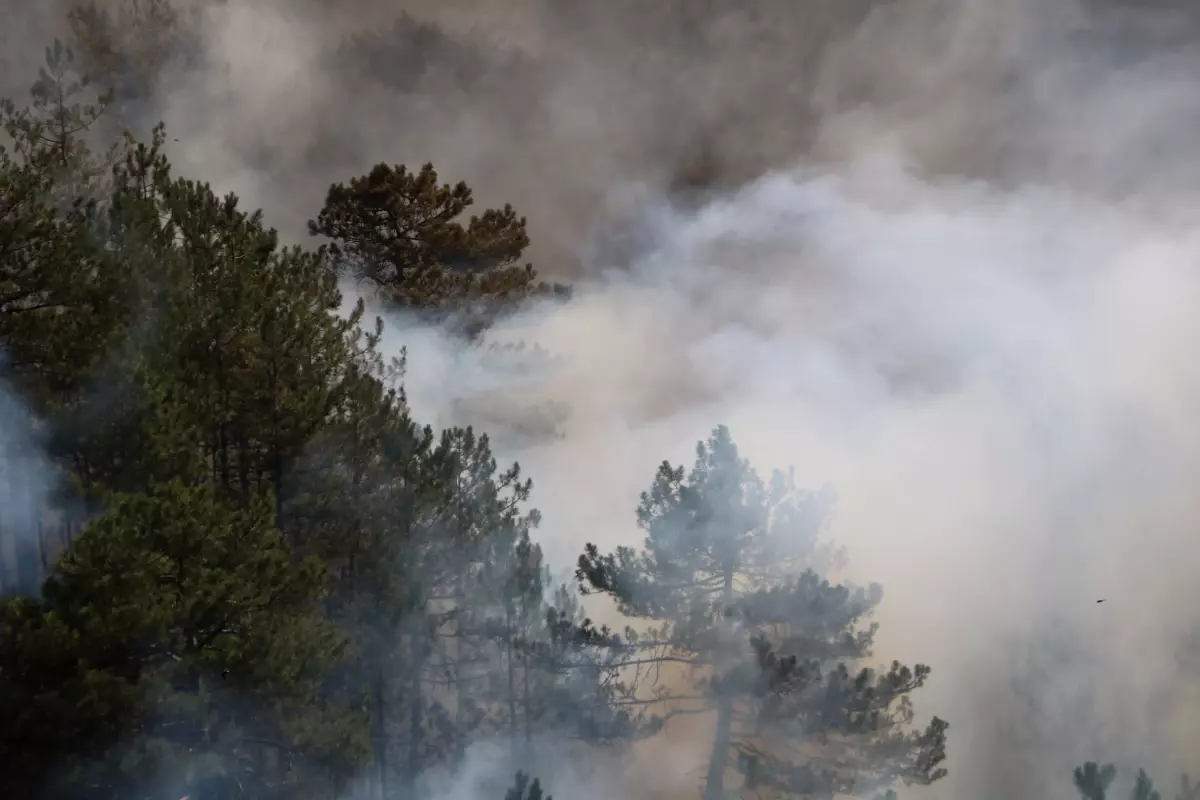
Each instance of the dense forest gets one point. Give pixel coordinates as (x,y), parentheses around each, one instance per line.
(277,583)
(284,583)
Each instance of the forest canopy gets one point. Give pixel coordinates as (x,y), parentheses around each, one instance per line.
(244,567)
(281,584)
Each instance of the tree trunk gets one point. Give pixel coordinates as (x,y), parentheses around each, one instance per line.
(379,740)
(415,717)
(714,785)
(512,689)
(528,703)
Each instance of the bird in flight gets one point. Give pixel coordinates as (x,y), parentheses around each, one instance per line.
(1099,601)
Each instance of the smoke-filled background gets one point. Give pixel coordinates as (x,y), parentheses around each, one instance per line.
(939,255)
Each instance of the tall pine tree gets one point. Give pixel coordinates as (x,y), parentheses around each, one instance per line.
(726,572)
(403,231)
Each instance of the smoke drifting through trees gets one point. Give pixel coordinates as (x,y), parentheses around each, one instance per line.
(995,374)
(27,483)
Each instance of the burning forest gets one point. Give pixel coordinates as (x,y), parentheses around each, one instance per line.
(533,399)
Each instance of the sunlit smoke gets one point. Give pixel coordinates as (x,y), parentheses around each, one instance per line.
(998,384)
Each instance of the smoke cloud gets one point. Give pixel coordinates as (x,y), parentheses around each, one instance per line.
(28,481)
(939,255)
(998,385)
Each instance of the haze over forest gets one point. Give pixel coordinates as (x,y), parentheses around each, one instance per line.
(844,347)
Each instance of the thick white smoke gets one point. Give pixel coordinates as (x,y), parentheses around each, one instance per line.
(975,321)
(999,384)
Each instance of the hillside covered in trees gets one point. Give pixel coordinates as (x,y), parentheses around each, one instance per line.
(286,586)
(235,562)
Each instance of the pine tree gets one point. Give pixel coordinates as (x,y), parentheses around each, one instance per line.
(726,571)
(439,586)
(179,641)
(1093,781)
(53,129)
(59,290)
(285,575)
(239,357)
(525,789)
(401,231)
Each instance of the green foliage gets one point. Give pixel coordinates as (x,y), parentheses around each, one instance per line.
(1143,789)
(1093,781)
(525,789)
(402,231)
(442,590)
(243,356)
(59,291)
(203,646)
(768,651)
(51,131)
(249,431)
(285,582)
(393,224)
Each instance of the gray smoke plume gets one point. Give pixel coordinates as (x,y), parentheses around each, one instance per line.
(997,384)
